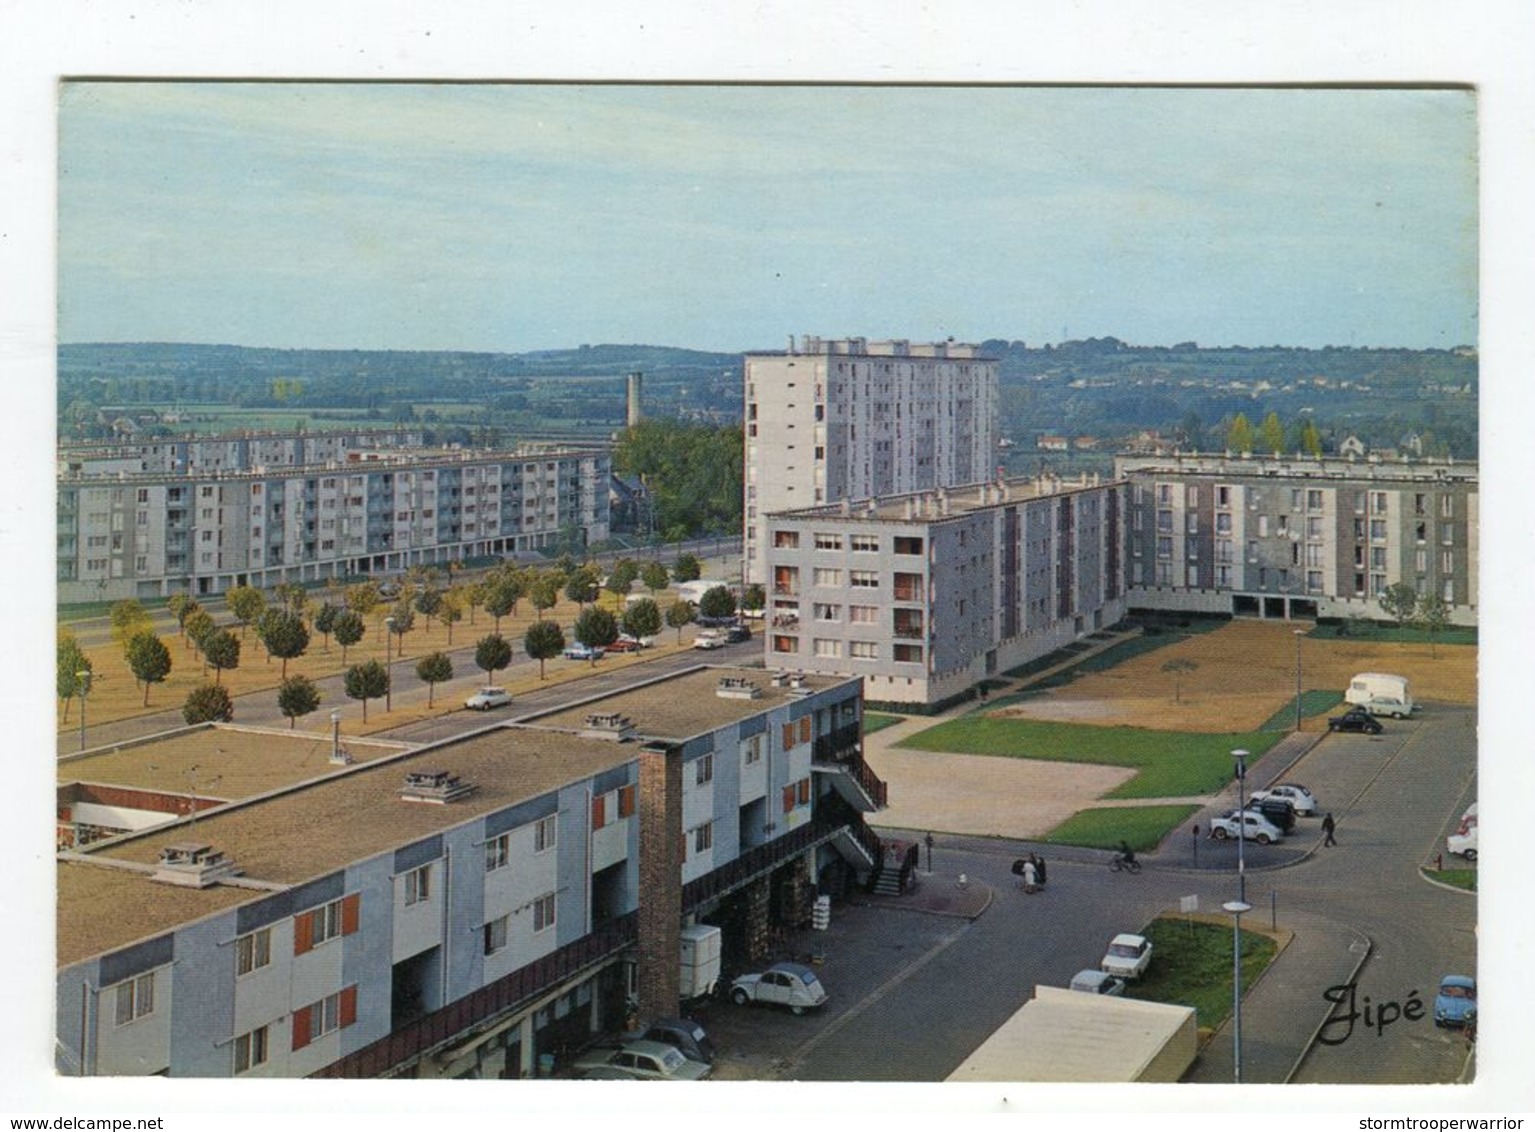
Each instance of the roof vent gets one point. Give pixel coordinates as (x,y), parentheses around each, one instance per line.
(737,688)
(798,687)
(437,787)
(780,679)
(608,725)
(193,864)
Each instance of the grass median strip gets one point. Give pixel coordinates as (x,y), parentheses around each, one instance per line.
(1191,965)
(1171,763)
(1142,826)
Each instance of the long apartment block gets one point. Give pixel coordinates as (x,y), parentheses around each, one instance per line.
(924,595)
(846,418)
(148,534)
(458,910)
(1299,537)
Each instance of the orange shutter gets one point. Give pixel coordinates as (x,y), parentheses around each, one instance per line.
(301,1027)
(599,811)
(303,933)
(804,729)
(788,798)
(626,801)
(788,736)
(349,910)
(348,1005)
(804,791)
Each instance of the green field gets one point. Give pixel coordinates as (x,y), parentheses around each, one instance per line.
(1191,966)
(1143,827)
(877,721)
(1171,763)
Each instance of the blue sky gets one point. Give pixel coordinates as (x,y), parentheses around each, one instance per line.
(513,218)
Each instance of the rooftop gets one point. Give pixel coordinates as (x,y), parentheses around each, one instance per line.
(947,503)
(1324,467)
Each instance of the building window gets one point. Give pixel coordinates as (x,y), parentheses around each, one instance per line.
(253,951)
(338,918)
(1165,521)
(418,885)
(625,801)
(825,541)
(1164,495)
(904,544)
(135,998)
(907,654)
(864,579)
(1447,506)
(333,1012)
(545,833)
(1314,581)
(825,576)
(543,912)
(1448,592)
(863,614)
(751,750)
(1313,500)
(498,851)
(1447,562)
(824,612)
(1164,547)
(1313,526)
(863,650)
(703,837)
(786,540)
(1378,502)
(828,648)
(1377,530)
(495,935)
(782,643)
(703,772)
(1447,533)
(251,1050)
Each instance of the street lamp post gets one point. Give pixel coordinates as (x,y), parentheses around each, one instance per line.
(1299,633)
(335,736)
(1241,760)
(83,682)
(1236,908)
(388,683)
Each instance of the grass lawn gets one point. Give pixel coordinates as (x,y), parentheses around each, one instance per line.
(1142,826)
(1191,965)
(1171,763)
(1459,878)
(877,721)
(1313,702)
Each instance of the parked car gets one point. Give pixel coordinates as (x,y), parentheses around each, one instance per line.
(1463,843)
(689,1038)
(1294,793)
(1355,719)
(1097,982)
(783,984)
(487,698)
(578,651)
(710,639)
(1390,705)
(738,633)
(389,590)
(1257,827)
(1280,813)
(641,642)
(1455,1004)
(623,644)
(645,1060)
(1128,956)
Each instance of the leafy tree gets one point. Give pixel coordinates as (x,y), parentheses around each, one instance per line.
(348,629)
(325,621)
(1399,601)
(622,577)
(1239,437)
(678,614)
(429,603)
(693,473)
(362,598)
(292,596)
(200,626)
(501,599)
(452,610)
(754,599)
(582,586)
(221,650)
(129,619)
(296,696)
(493,653)
(284,636)
(209,703)
(655,576)
(180,606)
(404,618)
(1190,432)
(434,668)
(543,640)
(545,591)
(596,628)
(1310,438)
(642,618)
(1270,435)
(150,661)
(366,681)
(70,661)
(687,568)
(1434,615)
(1178,667)
(475,594)
(247,603)
(717,602)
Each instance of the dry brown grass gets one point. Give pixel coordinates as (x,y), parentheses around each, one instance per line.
(1246,673)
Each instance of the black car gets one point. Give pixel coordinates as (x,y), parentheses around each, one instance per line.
(1280,813)
(737,633)
(683,1033)
(1355,719)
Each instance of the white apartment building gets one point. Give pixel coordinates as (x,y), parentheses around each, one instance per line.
(834,419)
(149,534)
(1299,536)
(925,595)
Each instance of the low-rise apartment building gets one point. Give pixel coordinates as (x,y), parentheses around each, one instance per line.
(924,595)
(1300,536)
(150,534)
(468,908)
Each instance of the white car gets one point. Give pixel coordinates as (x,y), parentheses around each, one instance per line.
(1463,841)
(783,984)
(1294,793)
(1097,982)
(1128,956)
(487,698)
(643,1060)
(1259,828)
(710,639)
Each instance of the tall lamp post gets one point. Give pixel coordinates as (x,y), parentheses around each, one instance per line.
(83,682)
(388,683)
(335,736)
(1299,633)
(1236,908)
(1241,760)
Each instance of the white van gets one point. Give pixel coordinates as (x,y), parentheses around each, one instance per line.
(1381,693)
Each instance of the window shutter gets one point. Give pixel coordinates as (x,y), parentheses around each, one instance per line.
(625,801)
(301,1027)
(804,729)
(349,913)
(303,933)
(788,798)
(348,1005)
(788,736)
(599,814)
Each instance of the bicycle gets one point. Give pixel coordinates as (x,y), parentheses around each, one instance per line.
(1121,863)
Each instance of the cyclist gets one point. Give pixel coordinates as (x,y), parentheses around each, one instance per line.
(1126,854)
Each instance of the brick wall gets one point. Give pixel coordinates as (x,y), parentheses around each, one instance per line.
(660,904)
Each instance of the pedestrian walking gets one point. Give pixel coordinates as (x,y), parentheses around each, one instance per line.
(1327,828)
(1039,868)
(1030,878)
